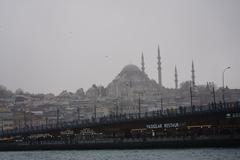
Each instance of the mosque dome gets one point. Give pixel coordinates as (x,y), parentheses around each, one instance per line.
(129,80)
(131,73)
(131,68)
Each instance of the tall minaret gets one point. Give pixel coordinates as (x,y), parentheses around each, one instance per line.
(176,78)
(193,74)
(143,67)
(159,68)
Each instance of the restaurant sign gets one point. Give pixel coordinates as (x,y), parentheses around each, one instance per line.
(162,125)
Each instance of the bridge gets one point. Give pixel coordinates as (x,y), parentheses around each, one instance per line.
(213,121)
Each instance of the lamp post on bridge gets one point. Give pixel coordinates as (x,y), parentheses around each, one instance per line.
(57,117)
(139,106)
(214,96)
(24,119)
(139,93)
(161,104)
(95,111)
(78,113)
(191,97)
(223,89)
(116,107)
(158,94)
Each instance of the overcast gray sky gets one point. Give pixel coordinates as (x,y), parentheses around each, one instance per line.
(50,45)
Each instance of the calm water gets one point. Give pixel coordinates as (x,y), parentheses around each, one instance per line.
(158,154)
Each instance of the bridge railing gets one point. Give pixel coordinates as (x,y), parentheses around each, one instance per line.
(179,111)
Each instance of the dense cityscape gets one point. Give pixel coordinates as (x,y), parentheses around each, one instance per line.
(131,91)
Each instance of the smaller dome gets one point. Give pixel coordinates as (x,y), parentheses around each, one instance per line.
(92,92)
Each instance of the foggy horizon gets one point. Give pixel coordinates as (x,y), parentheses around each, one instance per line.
(51,46)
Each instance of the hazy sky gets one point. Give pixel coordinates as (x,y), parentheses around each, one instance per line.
(51,45)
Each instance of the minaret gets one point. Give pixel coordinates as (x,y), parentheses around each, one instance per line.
(159,68)
(193,74)
(143,67)
(176,78)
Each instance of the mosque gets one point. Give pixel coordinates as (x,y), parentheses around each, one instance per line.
(132,85)
(132,88)
(132,80)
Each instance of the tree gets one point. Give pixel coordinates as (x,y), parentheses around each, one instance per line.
(19,91)
(4,93)
(3,88)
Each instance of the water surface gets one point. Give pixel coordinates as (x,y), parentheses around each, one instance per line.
(157,154)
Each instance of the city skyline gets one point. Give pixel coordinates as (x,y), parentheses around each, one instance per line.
(176,82)
(47,47)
